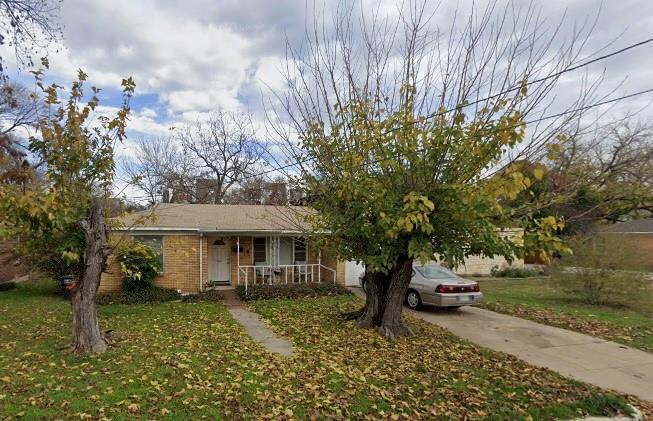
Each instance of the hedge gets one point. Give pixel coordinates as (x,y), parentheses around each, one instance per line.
(290,291)
(143,296)
(7,286)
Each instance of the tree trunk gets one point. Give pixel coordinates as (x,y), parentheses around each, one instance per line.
(86,330)
(392,324)
(376,286)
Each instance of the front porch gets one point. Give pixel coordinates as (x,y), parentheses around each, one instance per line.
(255,258)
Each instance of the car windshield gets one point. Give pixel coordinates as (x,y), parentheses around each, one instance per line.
(435,272)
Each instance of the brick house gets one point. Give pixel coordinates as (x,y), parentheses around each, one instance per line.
(635,238)
(203,245)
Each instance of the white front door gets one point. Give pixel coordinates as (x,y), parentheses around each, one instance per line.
(219,261)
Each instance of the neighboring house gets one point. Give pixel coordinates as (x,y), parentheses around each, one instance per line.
(477,265)
(635,238)
(226,245)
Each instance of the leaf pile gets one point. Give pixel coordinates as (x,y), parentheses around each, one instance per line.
(192,360)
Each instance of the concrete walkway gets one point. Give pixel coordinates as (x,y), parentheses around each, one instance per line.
(255,327)
(586,358)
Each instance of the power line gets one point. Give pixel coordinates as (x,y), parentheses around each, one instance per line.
(498,94)
(542,79)
(549,117)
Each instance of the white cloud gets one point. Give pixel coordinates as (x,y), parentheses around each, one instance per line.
(201,55)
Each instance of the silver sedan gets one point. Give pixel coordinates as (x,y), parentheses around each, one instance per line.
(432,284)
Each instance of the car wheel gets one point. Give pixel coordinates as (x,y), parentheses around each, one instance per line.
(413,300)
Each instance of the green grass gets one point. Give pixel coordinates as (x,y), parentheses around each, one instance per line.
(192,360)
(630,322)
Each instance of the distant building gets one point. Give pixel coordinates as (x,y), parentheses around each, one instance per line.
(637,237)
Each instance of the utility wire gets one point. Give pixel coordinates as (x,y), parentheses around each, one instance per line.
(498,94)
(549,117)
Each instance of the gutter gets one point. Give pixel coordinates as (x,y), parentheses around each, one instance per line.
(214,230)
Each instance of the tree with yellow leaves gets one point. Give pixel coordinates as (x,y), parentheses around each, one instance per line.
(63,215)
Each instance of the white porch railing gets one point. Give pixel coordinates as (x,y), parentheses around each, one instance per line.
(272,274)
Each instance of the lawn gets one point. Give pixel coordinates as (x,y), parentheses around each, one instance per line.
(191,360)
(546,301)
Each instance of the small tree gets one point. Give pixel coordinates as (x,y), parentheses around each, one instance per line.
(66,212)
(139,265)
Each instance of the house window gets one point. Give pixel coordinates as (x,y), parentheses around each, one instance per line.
(156,242)
(259,250)
(300,250)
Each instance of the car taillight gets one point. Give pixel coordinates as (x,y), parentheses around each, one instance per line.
(457,289)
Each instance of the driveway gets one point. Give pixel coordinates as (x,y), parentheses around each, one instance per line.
(586,358)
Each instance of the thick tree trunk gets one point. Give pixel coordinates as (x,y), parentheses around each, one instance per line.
(376,286)
(86,330)
(392,324)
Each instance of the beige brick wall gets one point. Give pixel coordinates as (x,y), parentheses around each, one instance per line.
(246,258)
(111,280)
(336,264)
(180,265)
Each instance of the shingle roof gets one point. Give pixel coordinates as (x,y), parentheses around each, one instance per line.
(235,218)
(635,226)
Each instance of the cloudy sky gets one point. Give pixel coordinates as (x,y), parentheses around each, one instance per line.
(189,58)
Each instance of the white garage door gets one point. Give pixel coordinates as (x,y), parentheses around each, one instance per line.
(352,271)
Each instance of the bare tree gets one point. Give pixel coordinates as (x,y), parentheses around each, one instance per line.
(602,176)
(17,110)
(28,26)
(158,166)
(453,80)
(226,149)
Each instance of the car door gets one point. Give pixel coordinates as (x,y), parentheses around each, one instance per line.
(424,286)
(416,282)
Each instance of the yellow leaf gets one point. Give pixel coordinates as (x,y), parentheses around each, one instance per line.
(538,173)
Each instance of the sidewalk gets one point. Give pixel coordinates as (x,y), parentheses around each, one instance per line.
(254,326)
(586,358)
